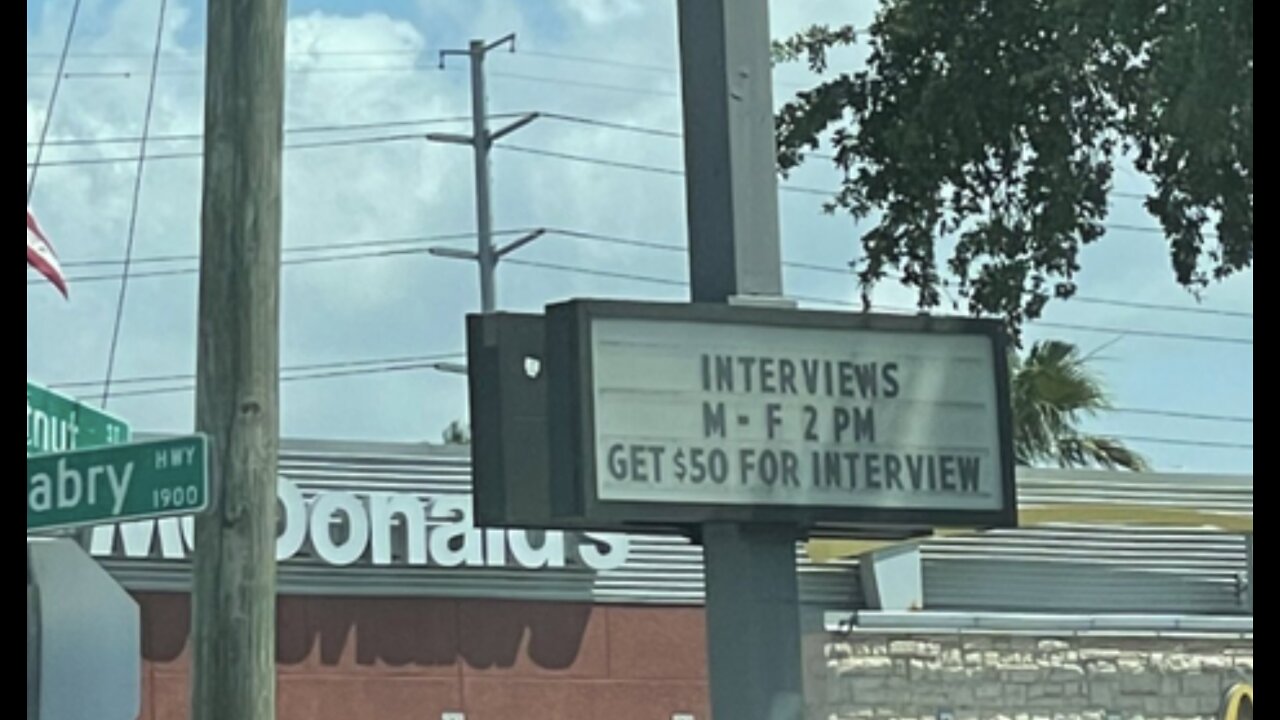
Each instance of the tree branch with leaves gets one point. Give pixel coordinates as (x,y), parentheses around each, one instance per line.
(990,132)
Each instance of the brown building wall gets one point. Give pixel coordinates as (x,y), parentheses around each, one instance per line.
(393,658)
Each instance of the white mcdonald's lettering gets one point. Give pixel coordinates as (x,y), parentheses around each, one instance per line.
(343,528)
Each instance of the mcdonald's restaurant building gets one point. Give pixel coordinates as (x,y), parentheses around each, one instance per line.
(394,605)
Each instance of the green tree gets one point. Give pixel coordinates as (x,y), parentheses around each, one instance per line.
(989,131)
(1052,390)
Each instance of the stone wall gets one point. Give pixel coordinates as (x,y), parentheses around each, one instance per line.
(1020,677)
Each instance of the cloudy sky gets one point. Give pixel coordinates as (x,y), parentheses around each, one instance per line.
(365,307)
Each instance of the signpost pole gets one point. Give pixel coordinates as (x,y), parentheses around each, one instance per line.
(752,600)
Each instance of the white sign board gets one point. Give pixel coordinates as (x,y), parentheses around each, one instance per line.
(810,415)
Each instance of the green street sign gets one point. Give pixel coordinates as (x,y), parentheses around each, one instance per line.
(57,423)
(124,482)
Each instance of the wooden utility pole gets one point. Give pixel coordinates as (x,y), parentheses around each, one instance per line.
(238,363)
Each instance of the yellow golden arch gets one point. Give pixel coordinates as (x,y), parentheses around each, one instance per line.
(1238,702)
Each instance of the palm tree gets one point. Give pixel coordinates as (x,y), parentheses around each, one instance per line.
(1052,389)
(456,434)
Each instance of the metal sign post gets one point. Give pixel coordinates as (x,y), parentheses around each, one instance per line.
(736,419)
(753,609)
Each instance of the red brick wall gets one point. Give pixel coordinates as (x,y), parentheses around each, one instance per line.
(387,658)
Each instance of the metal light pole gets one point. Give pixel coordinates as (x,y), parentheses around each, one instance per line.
(481,141)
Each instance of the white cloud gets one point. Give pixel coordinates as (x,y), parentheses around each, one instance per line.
(603,12)
(404,305)
(317,33)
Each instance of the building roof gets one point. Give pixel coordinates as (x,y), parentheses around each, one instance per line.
(1097,542)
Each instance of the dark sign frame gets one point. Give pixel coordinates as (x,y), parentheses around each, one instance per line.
(570,402)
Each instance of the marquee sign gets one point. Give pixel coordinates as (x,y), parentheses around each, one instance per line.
(686,414)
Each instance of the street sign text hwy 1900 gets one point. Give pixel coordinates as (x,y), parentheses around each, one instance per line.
(122,482)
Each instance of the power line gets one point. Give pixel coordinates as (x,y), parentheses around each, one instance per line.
(369,363)
(575,234)
(844,303)
(433,241)
(334,70)
(667,69)
(639,167)
(649,245)
(345,142)
(319,53)
(312,247)
(562,117)
(365,363)
(604,62)
(653,169)
(670,70)
(845,271)
(300,130)
(417,68)
(585,84)
(349,367)
(542,152)
(369,69)
(676,135)
(116,160)
(288,263)
(1185,442)
(1224,339)
(442,240)
(309,367)
(134,203)
(1162,307)
(390,368)
(618,164)
(1183,415)
(597,273)
(400,52)
(625,127)
(411,366)
(53,99)
(1084,299)
(613,240)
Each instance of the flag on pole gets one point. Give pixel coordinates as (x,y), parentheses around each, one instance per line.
(40,255)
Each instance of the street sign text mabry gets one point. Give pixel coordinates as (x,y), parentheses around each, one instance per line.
(122,482)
